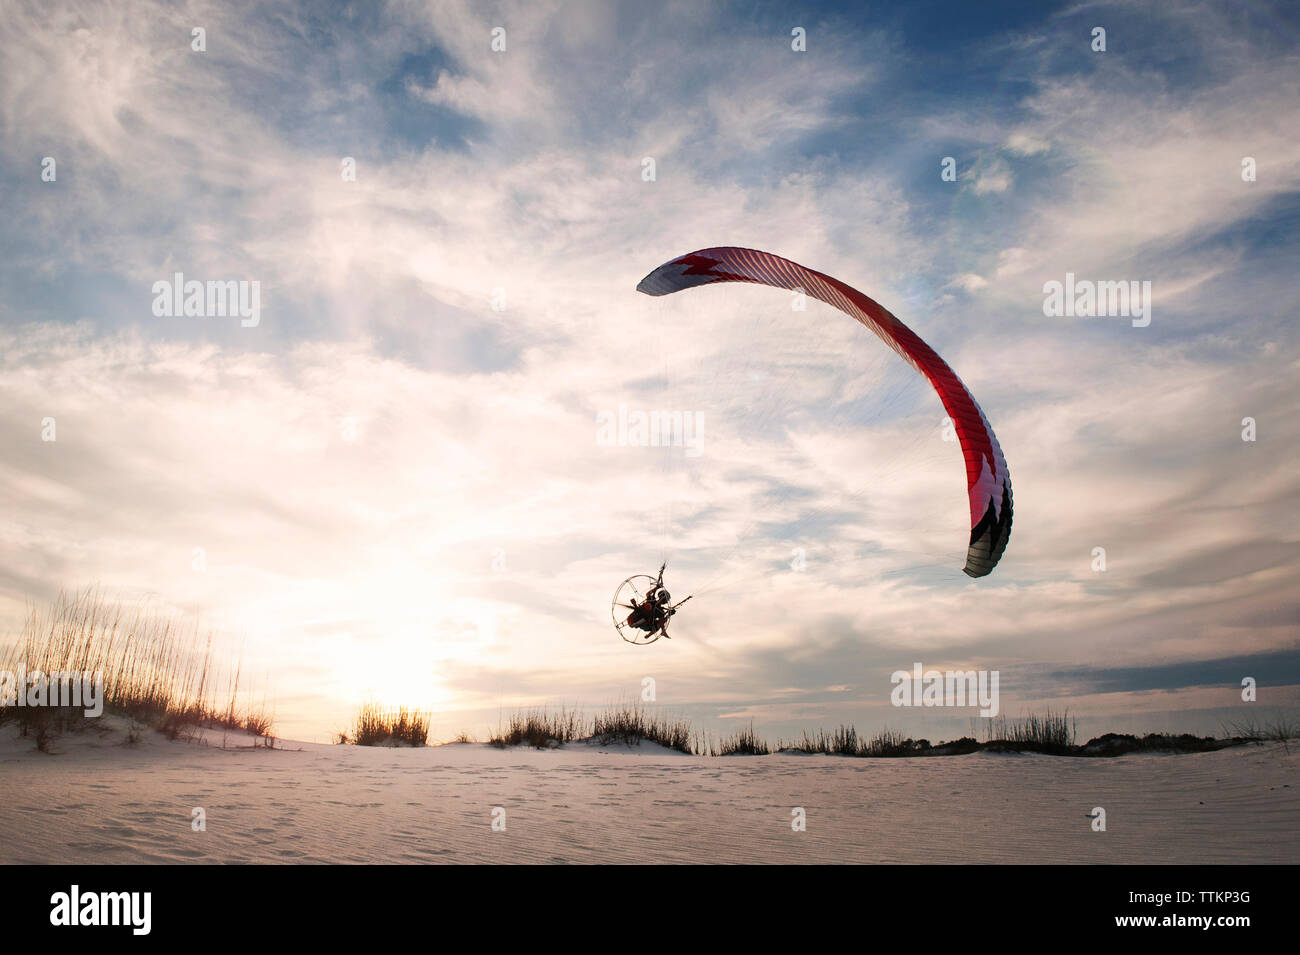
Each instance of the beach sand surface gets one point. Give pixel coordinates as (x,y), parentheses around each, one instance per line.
(99,800)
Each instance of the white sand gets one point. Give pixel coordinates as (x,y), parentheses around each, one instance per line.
(99,801)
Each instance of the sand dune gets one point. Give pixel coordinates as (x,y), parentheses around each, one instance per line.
(100,801)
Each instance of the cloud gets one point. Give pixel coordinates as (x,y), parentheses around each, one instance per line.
(520,173)
(1026,144)
(970,282)
(994,176)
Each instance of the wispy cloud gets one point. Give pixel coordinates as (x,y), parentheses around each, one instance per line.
(352,467)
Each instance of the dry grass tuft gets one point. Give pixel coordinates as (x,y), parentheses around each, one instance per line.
(375,726)
(152,672)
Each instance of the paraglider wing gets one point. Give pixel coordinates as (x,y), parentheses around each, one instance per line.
(987,481)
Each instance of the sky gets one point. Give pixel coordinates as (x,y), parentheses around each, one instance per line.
(391,487)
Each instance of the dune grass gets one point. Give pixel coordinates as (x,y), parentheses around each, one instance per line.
(152,671)
(630,723)
(626,723)
(843,741)
(846,741)
(741,743)
(541,729)
(1049,733)
(1253,730)
(376,726)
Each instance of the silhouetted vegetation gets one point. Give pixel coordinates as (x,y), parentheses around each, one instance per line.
(375,726)
(152,672)
(743,743)
(631,723)
(1051,734)
(540,729)
(1117,744)
(1281,730)
(845,741)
